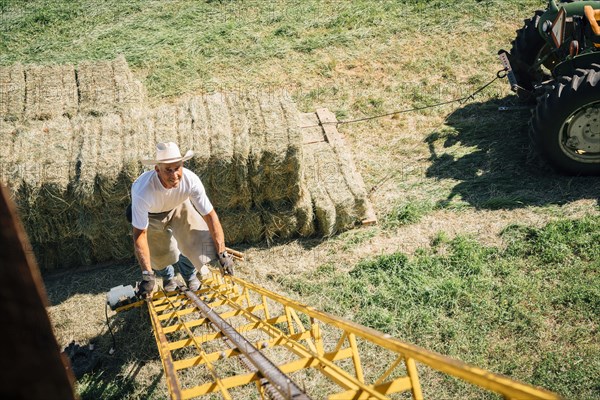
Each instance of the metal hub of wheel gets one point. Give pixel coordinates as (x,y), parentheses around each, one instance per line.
(580,134)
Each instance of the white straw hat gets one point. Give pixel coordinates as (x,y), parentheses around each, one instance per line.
(168,152)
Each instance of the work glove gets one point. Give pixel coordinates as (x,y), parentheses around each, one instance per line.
(146,286)
(226,263)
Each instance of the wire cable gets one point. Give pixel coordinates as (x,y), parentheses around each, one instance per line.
(114,345)
(460,100)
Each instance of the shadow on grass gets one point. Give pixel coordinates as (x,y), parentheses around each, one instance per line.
(117,376)
(501,170)
(95,279)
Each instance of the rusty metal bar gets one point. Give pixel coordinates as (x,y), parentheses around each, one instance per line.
(281,382)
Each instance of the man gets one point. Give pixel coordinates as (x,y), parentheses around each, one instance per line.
(171,214)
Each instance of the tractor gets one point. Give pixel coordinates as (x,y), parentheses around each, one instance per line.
(554,63)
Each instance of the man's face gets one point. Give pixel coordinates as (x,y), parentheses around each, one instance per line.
(170,174)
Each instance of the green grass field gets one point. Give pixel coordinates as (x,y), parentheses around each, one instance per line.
(481,252)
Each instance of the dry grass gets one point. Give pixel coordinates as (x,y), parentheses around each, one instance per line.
(461,170)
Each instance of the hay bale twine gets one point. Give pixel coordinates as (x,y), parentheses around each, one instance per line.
(12,92)
(51,91)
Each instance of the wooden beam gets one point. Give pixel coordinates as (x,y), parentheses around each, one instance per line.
(31,363)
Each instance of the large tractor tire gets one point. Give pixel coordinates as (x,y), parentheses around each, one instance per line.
(527,50)
(566,123)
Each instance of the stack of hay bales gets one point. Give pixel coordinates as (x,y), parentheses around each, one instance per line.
(65,156)
(337,191)
(248,157)
(70,160)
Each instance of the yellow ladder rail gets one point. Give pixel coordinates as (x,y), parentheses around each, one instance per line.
(292,338)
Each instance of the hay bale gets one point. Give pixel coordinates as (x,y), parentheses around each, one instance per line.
(225,178)
(242,226)
(352,181)
(281,222)
(240,128)
(200,139)
(51,91)
(292,121)
(323,206)
(138,140)
(107,87)
(305,213)
(138,134)
(105,226)
(67,253)
(275,166)
(87,132)
(218,120)
(9,168)
(330,178)
(12,92)
(165,123)
(96,87)
(44,150)
(110,146)
(184,125)
(129,92)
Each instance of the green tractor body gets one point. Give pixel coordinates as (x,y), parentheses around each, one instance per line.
(555,61)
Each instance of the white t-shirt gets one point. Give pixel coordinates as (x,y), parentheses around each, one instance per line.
(148,195)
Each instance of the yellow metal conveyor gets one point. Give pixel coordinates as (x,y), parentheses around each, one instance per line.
(232,336)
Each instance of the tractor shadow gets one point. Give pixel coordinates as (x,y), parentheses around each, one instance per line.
(500,169)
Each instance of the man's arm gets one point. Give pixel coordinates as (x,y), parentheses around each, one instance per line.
(216,230)
(142,251)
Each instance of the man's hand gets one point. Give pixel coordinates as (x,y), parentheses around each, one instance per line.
(147,285)
(226,263)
